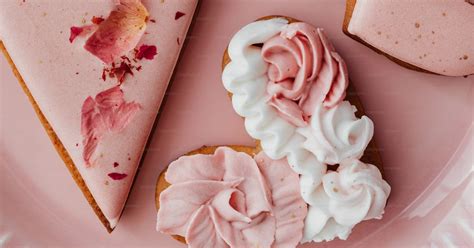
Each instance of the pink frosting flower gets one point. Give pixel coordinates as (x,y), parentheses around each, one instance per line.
(304,71)
(107,113)
(230,199)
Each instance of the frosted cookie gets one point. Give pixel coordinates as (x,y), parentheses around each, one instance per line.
(232,196)
(96,73)
(289,84)
(430,36)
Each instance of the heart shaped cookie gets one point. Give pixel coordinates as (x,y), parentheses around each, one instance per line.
(292,88)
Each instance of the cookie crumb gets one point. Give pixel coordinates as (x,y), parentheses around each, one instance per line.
(465,57)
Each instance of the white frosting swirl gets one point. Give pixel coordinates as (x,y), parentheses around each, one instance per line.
(336,133)
(341,135)
(354,193)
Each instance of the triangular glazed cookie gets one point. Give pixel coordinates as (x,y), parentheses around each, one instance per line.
(96,73)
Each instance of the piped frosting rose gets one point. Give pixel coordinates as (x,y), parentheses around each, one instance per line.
(231,199)
(304,71)
(354,193)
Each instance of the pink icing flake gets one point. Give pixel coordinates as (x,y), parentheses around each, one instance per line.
(97,20)
(80,31)
(120,32)
(108,113)
(178,15)
(121,71)
(146,51)
(117,176)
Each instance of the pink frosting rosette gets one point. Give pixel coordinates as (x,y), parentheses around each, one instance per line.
(230,199)
(304,71)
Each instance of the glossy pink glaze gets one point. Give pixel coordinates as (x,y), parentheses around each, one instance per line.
(413,114)
(229,199)
(62,75)
(304,71)
(434,35)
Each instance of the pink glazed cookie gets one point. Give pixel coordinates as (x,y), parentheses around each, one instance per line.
(96,73)
(430,36)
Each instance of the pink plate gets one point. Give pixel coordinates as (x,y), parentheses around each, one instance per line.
(423,126)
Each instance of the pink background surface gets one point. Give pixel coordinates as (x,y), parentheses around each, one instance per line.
(422,125)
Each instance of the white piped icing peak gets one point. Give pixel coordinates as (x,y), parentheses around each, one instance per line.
(329,134)
(336,133)
(353,193)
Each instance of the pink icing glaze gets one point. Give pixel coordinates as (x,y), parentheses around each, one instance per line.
(304,70)
(61,75)
(108,113)
(120,32)
(434,35)
(230,199)
(81,31)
